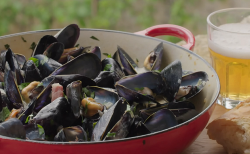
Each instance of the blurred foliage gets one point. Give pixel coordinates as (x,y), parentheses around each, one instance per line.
(27,15)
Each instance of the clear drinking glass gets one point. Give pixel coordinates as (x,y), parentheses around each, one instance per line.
(229,45)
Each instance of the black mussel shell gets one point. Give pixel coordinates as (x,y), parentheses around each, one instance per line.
(12,128)
(127,63)
(54,51)
(43,43)
(46,65)
(153,60)
(20,60)
(32,73)
(88,65)
(71,134)
(11,88)
(105,79)
(109,64)
(68,35)
(52,115)
(104,96)
(137,128)
(145,113)
(172,75)
(185,114)
(160,120)
(122,127)
(76,51)
(128,85)
(4,102)
(108,120)
(196,80)
(74,95)
(97,51)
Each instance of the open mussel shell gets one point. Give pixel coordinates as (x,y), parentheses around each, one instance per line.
(145,113)
(127,63)
(46,65)
(54,51)
(12,128)
(122,127)
(4,102)
(8,56)
(104,96)
(68,35)
(128,85)
(11,88)
(52,115)
(74,95)
(71,134)
(75,51)
(109,64)
(88,65)
(196,81)
(153,60)
(160,120)
(172,75)
(32,73)
(105,79)
(97,51)
(43,43)
(181,104)
(183,115)
(20,60)
(108,120)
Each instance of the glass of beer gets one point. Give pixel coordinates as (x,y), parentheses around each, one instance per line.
(229,45)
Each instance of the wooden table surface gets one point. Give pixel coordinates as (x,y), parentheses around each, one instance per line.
(204,145)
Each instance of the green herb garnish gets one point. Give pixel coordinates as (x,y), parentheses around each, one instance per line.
(65,96)
(40,129)
(111,134)
(77,45)
(23,39)
(94,124)
(92,95)
(107,67)
(158,71)
(137,60)
(28,118)
(108,55)
(86,92)
(23,85)
(94,38)
(7,46)
(33,46)
(4,113)
(139,89)
(36,61)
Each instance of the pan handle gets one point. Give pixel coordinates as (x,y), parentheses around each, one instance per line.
(173,30)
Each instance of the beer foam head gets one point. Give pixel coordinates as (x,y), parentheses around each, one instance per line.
(236,44)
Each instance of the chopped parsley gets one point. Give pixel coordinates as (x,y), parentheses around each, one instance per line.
(77,45)
(111,134)
(94,38)
(86,108)
(108,55)
(40,129)
(4,113)
(23,39)
(33,46)
(7,46)
(36,61)
(139,89)
(137,60)
(94,124)
(107,67)
(158,71)
(28,118)
(92,95)
(23,85)
(40,84)
(86,92)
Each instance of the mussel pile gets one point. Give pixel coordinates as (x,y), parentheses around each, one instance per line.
(66,93)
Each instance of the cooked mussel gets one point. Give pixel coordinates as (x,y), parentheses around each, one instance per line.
(43,43)
(32,73)
(12,128)
(71,134)
(54,51)
(153,60)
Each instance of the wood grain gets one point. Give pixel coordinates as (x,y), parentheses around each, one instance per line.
(204,145)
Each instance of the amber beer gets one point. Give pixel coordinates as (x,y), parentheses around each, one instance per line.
(230,52)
